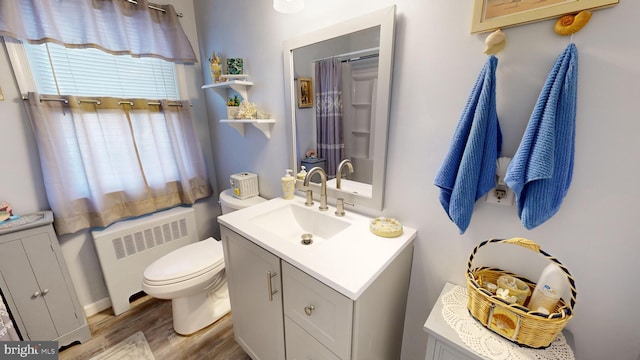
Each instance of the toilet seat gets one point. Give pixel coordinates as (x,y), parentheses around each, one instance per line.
(186,263)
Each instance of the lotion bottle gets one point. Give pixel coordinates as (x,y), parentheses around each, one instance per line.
(549,289)
(288,185)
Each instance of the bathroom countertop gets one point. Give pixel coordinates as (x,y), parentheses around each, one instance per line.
(349,262)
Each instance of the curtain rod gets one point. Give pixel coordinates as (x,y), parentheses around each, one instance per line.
(364,57)
(98,102)
(151,6)
(352,53)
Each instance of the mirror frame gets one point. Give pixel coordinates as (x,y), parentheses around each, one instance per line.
(385,18)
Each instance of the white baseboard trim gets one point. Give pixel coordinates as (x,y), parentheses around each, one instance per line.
(96,307)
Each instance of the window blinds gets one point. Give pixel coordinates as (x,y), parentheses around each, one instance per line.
(92,72)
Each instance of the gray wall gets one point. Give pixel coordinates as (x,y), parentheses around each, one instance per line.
(436,64)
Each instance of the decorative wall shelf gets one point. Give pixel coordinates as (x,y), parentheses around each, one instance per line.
(240,86)
(263,125)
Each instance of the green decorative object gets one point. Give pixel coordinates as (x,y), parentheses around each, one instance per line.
(235,66)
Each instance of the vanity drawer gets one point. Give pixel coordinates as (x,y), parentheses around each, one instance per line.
(301,345)
(319,310)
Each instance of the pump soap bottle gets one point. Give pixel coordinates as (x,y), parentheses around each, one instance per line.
(288,185)
(303,173)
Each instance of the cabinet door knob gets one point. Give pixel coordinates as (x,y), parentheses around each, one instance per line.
(35,294)
(309,309)
(45,292)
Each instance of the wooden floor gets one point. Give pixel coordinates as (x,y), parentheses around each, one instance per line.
(153,317)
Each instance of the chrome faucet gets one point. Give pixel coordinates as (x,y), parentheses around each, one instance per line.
(343,163)
(323,186)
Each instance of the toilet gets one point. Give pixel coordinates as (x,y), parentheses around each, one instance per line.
(193,277)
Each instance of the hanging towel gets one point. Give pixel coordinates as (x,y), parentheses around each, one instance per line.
(541,170)
(469,169)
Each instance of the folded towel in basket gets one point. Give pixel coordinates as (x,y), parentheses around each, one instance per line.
(541,170)
(469,168)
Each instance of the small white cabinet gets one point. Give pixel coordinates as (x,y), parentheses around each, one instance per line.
(272,300)
(35,280)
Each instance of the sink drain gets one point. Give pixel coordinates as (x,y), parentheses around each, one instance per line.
(306,239)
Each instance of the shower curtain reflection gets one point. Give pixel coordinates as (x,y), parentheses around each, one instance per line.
(329,115)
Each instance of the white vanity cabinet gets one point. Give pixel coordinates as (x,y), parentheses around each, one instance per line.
(253,277)
(317,321)
(35,280)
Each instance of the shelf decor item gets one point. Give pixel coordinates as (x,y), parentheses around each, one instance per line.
(512,321)
(235,66)
(215,67)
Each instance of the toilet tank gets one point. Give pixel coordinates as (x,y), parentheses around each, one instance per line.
(229,202)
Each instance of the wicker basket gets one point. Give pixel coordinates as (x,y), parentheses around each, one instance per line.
(512,321)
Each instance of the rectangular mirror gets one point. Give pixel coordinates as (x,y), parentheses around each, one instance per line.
(338,84)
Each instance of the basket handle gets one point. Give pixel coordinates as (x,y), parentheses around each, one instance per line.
(533,246)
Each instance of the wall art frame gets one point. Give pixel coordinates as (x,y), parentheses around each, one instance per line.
(305,92)
(489,15)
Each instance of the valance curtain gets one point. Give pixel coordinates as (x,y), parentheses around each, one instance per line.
(115,26)
(116,159)
(329,116)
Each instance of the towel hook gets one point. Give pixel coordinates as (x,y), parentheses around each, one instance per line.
(572,23)
(495,42)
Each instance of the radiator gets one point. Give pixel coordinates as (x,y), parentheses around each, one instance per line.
(126,248)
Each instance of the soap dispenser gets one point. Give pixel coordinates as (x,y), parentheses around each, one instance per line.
(288,185)
(303,173)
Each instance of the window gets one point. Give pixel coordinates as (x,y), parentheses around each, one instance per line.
(105,159)
(92,72)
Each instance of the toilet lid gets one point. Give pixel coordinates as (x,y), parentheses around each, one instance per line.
(186,262)
(233,202)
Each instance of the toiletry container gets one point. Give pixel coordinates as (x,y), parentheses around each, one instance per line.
(244,185)
(288,185)
(549,289)
(303,173)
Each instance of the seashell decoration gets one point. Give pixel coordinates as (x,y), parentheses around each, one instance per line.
(495,42)
(247,110)
(571,24)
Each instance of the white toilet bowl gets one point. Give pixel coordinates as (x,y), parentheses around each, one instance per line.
(193,278)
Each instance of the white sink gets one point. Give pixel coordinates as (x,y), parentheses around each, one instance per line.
(344,254)
(292,221)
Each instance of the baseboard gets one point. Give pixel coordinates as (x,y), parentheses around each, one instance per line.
(96,307)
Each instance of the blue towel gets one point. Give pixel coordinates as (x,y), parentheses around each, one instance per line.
(541,170)
(469,169)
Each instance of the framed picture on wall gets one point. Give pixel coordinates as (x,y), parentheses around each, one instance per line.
(490,15)
(305,92)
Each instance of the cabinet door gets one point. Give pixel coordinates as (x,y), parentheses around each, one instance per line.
(444,352)
(24,289)
(255,292)
(53,287)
